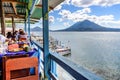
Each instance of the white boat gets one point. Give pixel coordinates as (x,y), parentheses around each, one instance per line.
(54,46)
(63,51)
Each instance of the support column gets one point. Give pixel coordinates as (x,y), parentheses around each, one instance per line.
(46,39)
(25,27)
(29,23)
(2,19)
(13,25)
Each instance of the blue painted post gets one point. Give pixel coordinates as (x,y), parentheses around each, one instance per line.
(25,27)
(29,23)
(46,39)
(53,68)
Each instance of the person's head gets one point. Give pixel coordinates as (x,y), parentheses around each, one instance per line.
(20,30)
(21,33)
(15,33)
(9,33)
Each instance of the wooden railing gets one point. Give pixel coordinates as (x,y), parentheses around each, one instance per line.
(79,73)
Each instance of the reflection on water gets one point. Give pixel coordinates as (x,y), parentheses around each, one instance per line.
(98,52)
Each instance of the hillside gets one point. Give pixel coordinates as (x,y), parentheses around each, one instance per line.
(36,29)
(87,25)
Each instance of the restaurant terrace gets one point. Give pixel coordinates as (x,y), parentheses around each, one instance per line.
(26,59)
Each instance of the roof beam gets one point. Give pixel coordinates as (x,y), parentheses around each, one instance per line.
(15,21)
(15,16)
(14,5)
(15,1)
(40,6)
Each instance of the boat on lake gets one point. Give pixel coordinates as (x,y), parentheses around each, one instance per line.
(63,51)
(55,45)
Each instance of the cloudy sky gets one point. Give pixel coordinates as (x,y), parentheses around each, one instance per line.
(102,12)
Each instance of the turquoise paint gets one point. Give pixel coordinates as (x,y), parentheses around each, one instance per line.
(25,27)
(46,39)
(33,6)
(29,23)
(53,68)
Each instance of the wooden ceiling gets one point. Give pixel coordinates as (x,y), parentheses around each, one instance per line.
(15,8)
(19,9)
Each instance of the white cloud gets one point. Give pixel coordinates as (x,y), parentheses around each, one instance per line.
(80,15)
(67,2)
(107,2)
(51,19)
(75,16)
(64,12)
(81,3)
(66,24)
(83,11)
(112,24)
(60,19)
(87,3)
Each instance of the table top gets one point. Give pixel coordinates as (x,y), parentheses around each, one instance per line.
(9,53)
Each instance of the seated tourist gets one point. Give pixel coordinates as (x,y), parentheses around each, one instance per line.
(2,38)
(15,36)
(2,42)
(20,30)
(22,36)
(9,35)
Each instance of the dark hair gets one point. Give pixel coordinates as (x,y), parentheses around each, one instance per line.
(9,35)
(21,33)
(20,30)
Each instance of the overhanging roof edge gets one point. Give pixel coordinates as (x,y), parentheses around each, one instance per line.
(52,5)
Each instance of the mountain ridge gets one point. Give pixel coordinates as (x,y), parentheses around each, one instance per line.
(87,25)
(36,29)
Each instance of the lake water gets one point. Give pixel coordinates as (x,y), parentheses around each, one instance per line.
(98,52)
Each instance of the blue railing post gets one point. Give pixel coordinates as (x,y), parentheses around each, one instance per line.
(46,39)
(29,23)
(39,58)
(25,27)
(53,68)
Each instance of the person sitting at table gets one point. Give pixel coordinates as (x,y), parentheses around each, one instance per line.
(15,36)
(9,35)
(20,30)
(22,36)
(2,38)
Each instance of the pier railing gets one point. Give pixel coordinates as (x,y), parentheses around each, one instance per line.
(79,73)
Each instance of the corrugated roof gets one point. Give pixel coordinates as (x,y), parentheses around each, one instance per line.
(19,8)
(15,8)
